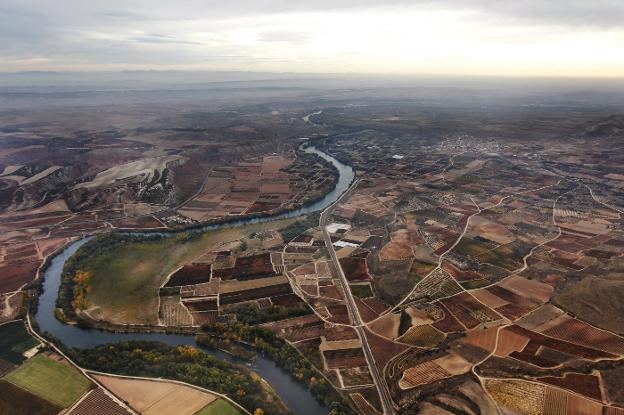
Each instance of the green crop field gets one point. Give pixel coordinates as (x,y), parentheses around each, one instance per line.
(15,340)
(56,382)
(219,407)
(474,284)
(361,290)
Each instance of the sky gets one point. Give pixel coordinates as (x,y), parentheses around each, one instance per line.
(562,38)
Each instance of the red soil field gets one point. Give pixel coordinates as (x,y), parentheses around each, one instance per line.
(586,385)
(515,311)
(449,323)
(309,268)
(330,291)
(578,332)
(98,403)
(486,297)
(483,338)
(355,269)
(251,267)
(383,350)
(254,294)
(376,304)
(464,307)
(309,289)
(286,300)
(17,401)
(509,341)
(340,333)
(507,295)
(339,314)
(538,340)
(365,312)
(202,305)
(12,277)
(190,275)
(343,358)
(581,406)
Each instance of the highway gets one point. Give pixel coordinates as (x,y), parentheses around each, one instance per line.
(384,393)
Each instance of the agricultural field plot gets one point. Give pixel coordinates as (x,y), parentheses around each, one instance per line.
(14,341)
(363,405)
(343,358)
(387,325)
(173,313)
(543,351)
(422,374)
(42,375)
(532,398)
(467,310)
(219,407)
(10,306)
(422,336)
(522,397)
(97,402)
(439,284)
(486,339)
(583,384)
(578,332)
(356,376)
(17,401)
(361,290)
(157,397)
(15,272)
(190,274)
(248,267)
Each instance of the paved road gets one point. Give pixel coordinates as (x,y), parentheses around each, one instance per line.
(384,394)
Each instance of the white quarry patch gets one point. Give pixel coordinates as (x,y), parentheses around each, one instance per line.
(343,244)
(334,227)
(144,169)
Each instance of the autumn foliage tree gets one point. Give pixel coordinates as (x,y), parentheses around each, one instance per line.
(81,289)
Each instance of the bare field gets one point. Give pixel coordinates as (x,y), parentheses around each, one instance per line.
(157,398)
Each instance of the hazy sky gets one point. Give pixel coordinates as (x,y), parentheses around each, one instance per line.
(500,37)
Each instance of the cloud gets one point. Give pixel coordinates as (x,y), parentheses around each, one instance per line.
(288,36)
(162,39)
(323,35)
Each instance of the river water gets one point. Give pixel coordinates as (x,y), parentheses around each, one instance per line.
(297,397)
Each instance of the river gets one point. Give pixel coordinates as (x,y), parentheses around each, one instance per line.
(296,396)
